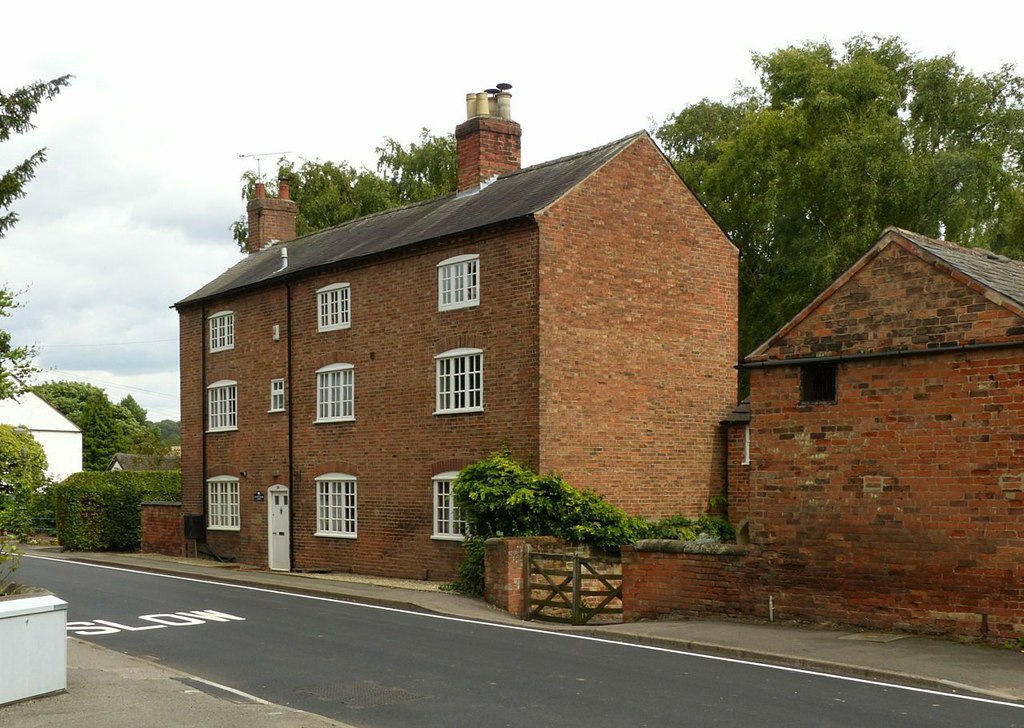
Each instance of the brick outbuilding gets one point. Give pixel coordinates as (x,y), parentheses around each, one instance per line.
(884,484)
(581,312)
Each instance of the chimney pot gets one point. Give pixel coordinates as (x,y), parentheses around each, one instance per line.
(470,105)
(504,105)
(261,191)
(483,104)
(283,190)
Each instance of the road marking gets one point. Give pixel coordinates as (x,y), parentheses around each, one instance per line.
(533,630)
(160,621)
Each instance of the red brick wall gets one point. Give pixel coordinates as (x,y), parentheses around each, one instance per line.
(638,306)
(901,504)
(660,579)
(898,301)
(738,490)
(162,529)
(396,444)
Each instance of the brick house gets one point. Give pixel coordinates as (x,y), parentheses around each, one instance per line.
(884,477)
(581,312)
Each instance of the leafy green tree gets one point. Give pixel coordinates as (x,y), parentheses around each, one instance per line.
(805,170)
(102,433)
(136,410)
(330,193)
(16,111)
(170,432)
(107,428)
(22,477)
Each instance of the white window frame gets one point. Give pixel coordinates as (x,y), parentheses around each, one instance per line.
(334,307)
(746,445)
(337,513)
(449,525)
(276,395)
(456,390)
(336,393)
(222,331)
(458,282)
(222,406)
(223,504)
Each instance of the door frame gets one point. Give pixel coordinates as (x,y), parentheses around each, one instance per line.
(286,557)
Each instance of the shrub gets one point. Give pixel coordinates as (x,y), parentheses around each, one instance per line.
(501,497)
(99,511)
(9,558)
(685,529)
(470,578)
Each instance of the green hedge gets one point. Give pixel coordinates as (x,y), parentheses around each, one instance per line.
(99,511)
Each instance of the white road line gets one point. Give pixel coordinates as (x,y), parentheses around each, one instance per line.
(587,638)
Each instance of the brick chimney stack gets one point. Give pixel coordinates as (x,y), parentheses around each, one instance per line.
(488,141)
(270,218)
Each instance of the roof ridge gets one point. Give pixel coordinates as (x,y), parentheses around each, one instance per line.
(432,200)
(577,155)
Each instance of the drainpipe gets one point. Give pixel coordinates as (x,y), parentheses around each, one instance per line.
(203,409)
(291,422)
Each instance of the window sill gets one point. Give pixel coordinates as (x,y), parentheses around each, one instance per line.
(334,419)
(224,528)
(222,348)
(222,429)
(332,534)
(447,537)
(468,410)
(274,412)
(338,327)
(457,306)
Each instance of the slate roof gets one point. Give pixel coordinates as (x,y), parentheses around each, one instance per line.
(997,272)
(134,461)
(511,196)
(740,413)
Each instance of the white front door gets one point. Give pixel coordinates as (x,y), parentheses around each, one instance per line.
(279,539)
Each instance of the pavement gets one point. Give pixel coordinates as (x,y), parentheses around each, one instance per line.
(109,689)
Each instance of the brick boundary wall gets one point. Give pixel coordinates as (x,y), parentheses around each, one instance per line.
(162,529)
(666,577)
(672,578)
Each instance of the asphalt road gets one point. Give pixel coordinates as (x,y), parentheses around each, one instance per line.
(373,666)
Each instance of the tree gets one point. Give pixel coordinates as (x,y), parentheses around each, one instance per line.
(22,476)
(330,193)
(16,111)
(22,458)
(806,169)
(107,428)
(136,410)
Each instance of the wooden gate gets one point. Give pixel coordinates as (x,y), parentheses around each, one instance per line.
(572,589)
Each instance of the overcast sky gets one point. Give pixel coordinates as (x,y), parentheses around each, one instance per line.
(131,211)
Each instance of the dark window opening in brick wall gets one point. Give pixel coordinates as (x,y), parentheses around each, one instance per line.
(818,383)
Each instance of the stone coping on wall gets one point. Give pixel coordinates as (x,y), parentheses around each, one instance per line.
(161,503)
(674,546)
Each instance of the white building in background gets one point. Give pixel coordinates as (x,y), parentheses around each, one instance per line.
(60,438)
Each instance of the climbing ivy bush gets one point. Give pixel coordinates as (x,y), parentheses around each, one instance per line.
(99,511)
(499,496)
(502,497)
